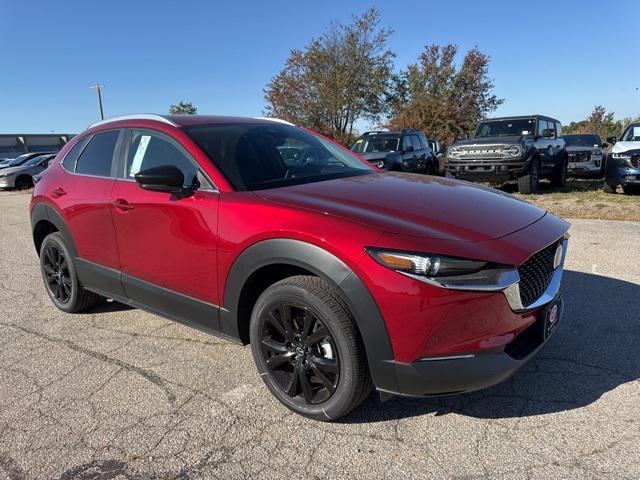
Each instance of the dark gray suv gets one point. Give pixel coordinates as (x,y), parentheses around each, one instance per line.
(405,151)
(524,149)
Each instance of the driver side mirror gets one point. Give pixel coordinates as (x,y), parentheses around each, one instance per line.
(611,140)
(548,133)
(165,178)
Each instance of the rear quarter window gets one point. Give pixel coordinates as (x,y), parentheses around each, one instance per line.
(69,161)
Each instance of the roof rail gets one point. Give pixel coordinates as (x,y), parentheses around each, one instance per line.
(279,120)
(135,116)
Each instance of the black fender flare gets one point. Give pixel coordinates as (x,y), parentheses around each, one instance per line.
(319,261)
(42,211)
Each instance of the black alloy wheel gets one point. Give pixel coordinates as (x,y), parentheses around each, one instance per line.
(57,275)
(300,353)
(307,348)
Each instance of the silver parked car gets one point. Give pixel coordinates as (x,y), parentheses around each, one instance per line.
(586,155)
(21,176)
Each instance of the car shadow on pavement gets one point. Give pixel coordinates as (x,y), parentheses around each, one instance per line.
(593,351)
(109,305)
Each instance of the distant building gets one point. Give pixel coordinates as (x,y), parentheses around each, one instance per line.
(14,145)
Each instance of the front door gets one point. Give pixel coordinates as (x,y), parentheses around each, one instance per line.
(167,242)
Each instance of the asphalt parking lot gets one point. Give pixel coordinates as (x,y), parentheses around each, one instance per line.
(120,393)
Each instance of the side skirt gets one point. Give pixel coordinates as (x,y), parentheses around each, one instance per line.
(146,296)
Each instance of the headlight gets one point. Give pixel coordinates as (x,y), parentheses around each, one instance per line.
(621,156)
(513,150)
(447,272)
(453,152)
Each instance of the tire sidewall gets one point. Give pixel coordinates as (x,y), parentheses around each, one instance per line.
(342,397)
(55,239)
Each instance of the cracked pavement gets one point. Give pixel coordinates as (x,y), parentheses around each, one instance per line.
(120,393)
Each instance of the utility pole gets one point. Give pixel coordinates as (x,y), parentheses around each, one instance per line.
(98,88)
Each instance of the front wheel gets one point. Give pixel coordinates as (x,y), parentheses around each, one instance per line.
(559,178)
(529,183)
(307,350)
(609,188)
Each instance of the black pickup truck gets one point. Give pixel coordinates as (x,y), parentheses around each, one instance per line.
(524,149)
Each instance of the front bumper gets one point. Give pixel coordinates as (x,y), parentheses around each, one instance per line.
(486,169)
(623,176)
(7,182)
(466,373)
(585,169)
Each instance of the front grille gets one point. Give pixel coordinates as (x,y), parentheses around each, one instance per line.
(482,151)
(579,156)
(536,274)
(635,161)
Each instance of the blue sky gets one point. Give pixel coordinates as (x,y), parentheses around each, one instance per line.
(558,58)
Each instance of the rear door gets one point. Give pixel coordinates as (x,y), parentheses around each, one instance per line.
(545,145)
(167,242)
(84,197)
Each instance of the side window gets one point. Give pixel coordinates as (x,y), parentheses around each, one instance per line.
(406,142)
(97,156)
(69,162)
(416,142)
(423,140)
(542,124)
(148,149)
(558,129)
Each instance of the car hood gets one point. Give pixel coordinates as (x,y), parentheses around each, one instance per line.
(489,140)
(624,146)
(375,156)
(418,205)
(581,149)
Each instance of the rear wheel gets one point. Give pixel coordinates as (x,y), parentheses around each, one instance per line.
(60,279)
(23,182)
(307,350)
(529,183)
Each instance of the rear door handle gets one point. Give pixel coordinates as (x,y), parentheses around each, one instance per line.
(58,192)
(122,204)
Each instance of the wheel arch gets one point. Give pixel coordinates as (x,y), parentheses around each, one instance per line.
(293,257)
(45,220)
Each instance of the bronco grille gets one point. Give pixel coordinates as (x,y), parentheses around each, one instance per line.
(482,151)
(535,274)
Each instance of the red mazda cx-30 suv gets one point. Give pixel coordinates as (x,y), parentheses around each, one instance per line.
(342,277)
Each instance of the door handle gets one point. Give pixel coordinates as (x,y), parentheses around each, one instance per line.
(122,204)
(58,192)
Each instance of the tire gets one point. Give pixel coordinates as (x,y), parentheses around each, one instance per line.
(529,183)
(609,188)
(301,332)
(559,179)
(630,189)
(23,182)
(60,279)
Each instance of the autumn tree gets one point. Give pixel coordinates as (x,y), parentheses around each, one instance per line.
(441,98)
(183,108)
(600,121)
(339,78)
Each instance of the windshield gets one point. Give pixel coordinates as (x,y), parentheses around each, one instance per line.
(376,144)
(33,161)
(260,156)
(18,161)
(582,140)
(507,127)
(631,134)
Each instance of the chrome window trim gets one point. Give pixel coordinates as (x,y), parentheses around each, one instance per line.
(134,116)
